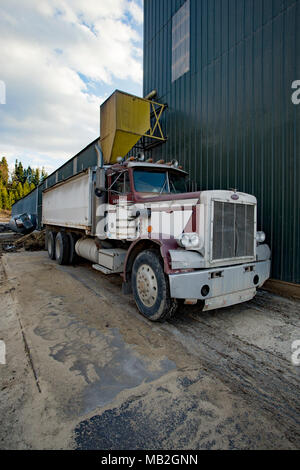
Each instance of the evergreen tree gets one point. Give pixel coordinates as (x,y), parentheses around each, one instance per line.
(4,171)
(5,199)
(1,196)
(11,198)
(28,173)
(20,183)
(43,175)
(36,176)
(15,172)
(19,175)
(26,188)
(19,192)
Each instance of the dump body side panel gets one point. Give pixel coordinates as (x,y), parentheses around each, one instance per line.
(68,204)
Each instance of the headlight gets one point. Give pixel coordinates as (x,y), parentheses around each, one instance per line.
(260,237)
(189,240)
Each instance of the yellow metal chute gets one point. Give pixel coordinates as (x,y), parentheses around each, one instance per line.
(124,119)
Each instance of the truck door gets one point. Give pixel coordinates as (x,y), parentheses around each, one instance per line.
(122,225)
(119,187)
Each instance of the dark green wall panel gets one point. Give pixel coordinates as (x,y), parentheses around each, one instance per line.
(231,121)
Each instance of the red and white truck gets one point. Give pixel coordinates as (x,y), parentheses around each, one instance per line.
(136,218)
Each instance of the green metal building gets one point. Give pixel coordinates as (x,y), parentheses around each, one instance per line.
(226,69)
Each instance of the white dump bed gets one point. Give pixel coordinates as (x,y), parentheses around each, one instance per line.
(68,204)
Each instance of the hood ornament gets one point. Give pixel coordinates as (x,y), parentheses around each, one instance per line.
(234,196)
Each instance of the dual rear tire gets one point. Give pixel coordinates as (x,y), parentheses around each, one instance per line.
(61,246)
(50,244)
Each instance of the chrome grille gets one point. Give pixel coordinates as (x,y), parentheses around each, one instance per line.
(233,230)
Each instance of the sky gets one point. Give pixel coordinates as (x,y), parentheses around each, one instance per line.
(59,60)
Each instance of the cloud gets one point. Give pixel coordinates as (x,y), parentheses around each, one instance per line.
(59,59)
(136,11)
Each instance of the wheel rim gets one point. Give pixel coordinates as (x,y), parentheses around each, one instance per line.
(147,285)
(57,248)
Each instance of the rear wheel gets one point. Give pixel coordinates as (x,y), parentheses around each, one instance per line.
(50,243)
(62,248)
(151,287)
(72,253)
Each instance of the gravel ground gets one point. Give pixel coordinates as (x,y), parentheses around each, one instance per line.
(84,370)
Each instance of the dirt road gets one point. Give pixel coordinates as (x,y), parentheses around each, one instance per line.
(85,370)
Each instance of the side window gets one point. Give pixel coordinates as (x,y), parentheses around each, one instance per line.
(117,183)
(181,41)
(121,184)
(126,183)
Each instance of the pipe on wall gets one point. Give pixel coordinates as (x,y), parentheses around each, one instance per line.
(100,161)
(151,95)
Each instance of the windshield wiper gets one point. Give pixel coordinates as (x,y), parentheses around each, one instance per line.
(166,181)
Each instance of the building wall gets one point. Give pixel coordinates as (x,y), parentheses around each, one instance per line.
(231,121)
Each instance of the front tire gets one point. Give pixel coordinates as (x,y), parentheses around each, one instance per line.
(151,287)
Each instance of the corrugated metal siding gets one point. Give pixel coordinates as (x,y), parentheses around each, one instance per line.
(231,121)
(27,204)
(87,158)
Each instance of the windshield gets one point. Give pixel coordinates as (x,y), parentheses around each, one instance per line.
(163,182)
(177,183)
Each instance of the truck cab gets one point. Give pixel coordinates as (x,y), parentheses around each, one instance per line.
(140,181)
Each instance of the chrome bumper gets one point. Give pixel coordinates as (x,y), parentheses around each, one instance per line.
(223,286)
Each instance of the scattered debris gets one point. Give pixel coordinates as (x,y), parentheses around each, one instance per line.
(4,228)
(7,241)
(34,241)
(10,242)
(9,248)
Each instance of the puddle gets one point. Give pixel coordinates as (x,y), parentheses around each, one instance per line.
(107,364)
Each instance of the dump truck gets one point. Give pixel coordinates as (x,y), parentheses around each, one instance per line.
(135,217)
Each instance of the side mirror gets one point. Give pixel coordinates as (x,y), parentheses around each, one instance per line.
(100,182)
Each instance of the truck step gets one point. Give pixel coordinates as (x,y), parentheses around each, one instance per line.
(103,270)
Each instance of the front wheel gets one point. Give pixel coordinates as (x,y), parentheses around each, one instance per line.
(151,288)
